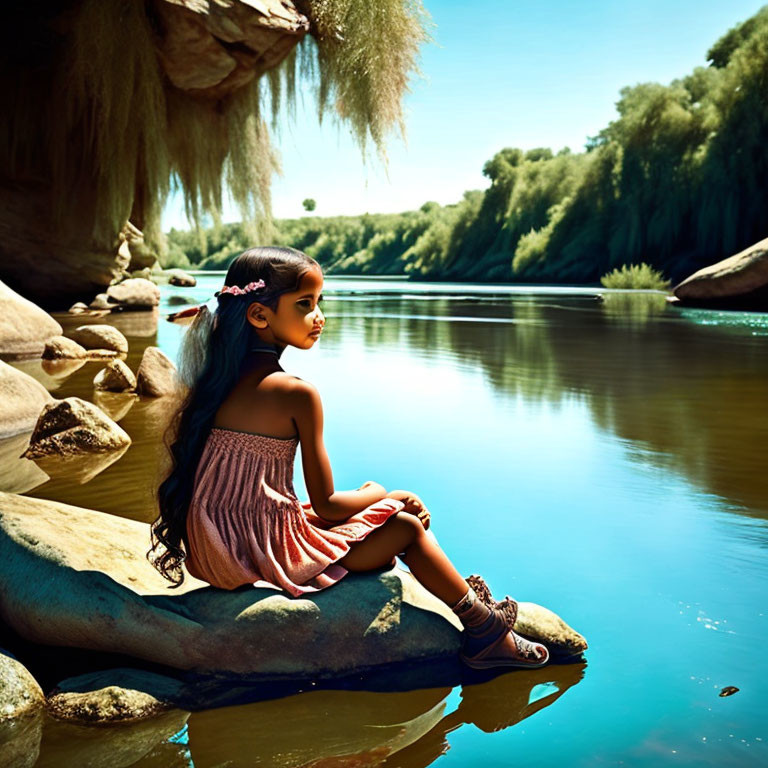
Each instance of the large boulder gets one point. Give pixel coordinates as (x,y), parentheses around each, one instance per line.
(74,577)
(21,400)
(740,281)
(73,426)
(24,327)
(135,293)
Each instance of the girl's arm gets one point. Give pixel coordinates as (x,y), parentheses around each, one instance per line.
(326,503)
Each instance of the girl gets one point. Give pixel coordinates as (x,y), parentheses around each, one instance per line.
(235,436)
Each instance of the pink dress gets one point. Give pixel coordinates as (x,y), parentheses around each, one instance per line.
(245,524)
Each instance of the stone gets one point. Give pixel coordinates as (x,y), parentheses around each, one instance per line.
(544,626)
(73,426)
(116,377)
(120,696)
(78,308)
(156,376)
(63,348)
(102,301)
(135,293)
(180,277)
(21,400)
(142,257)
(75,577)
(739,281)
(20,694)
(24,327)
(100,336)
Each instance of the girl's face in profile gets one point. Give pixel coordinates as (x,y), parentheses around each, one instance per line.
(299,320)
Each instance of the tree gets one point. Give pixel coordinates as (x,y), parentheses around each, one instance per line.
(309,204)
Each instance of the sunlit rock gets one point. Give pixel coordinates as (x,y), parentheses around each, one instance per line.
(20,694)
(78,308)
(63,348)
(156,376)
(135,293)
(72,426)
(24,327)
(738,282)
(21,400)
(539,623)
(116,377)
(100,336)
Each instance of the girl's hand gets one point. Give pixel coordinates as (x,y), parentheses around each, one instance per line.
(413,505)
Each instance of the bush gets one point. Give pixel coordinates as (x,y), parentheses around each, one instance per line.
(637,276)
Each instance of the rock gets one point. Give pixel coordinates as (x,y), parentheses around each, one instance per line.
(79,307)
(58,370)
(63,348)
(542,625)
(102,301)
(116,377)
(119,696)
(156,376)
(142,257)
(100,336)
(20,694)
(135,293)
(107,598)
(24,327)
(21,400)
(180,277)
(740,281)
(73,426)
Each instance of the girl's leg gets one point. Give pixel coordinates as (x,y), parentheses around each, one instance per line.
(489,640)
(404,535)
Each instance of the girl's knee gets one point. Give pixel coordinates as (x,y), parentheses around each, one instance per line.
(411,524)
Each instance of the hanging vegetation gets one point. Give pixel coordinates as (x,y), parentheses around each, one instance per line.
(111,104)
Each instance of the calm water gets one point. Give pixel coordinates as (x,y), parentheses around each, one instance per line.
(604,459)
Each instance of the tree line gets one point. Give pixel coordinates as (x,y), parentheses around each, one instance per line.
(675,182)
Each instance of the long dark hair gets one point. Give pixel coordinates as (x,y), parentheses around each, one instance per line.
(214,348)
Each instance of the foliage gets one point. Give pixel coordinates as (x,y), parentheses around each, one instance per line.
(309,204)
(637,276)
(674,183)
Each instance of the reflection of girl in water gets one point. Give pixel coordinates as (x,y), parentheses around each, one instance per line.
(228,510)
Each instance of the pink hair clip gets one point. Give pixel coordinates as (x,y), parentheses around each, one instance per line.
(238,291)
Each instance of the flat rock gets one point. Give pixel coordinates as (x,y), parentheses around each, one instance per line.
(75,577)
(102,301)
(100,336)
(73,426)
(21,400)
(742,278)
(24,327)
(20,694)
(156,376)
(135,293)
(116,377)
(63,348)
(78,308)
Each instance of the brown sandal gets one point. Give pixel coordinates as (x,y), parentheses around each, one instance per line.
(508,649)
(507,606)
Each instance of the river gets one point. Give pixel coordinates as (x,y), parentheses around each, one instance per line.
(604,458)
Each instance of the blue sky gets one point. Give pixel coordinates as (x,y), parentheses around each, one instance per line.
(498,74)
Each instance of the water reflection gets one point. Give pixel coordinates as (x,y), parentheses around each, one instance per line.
(339,728)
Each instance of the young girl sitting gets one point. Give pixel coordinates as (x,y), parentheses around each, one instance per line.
(235,434)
